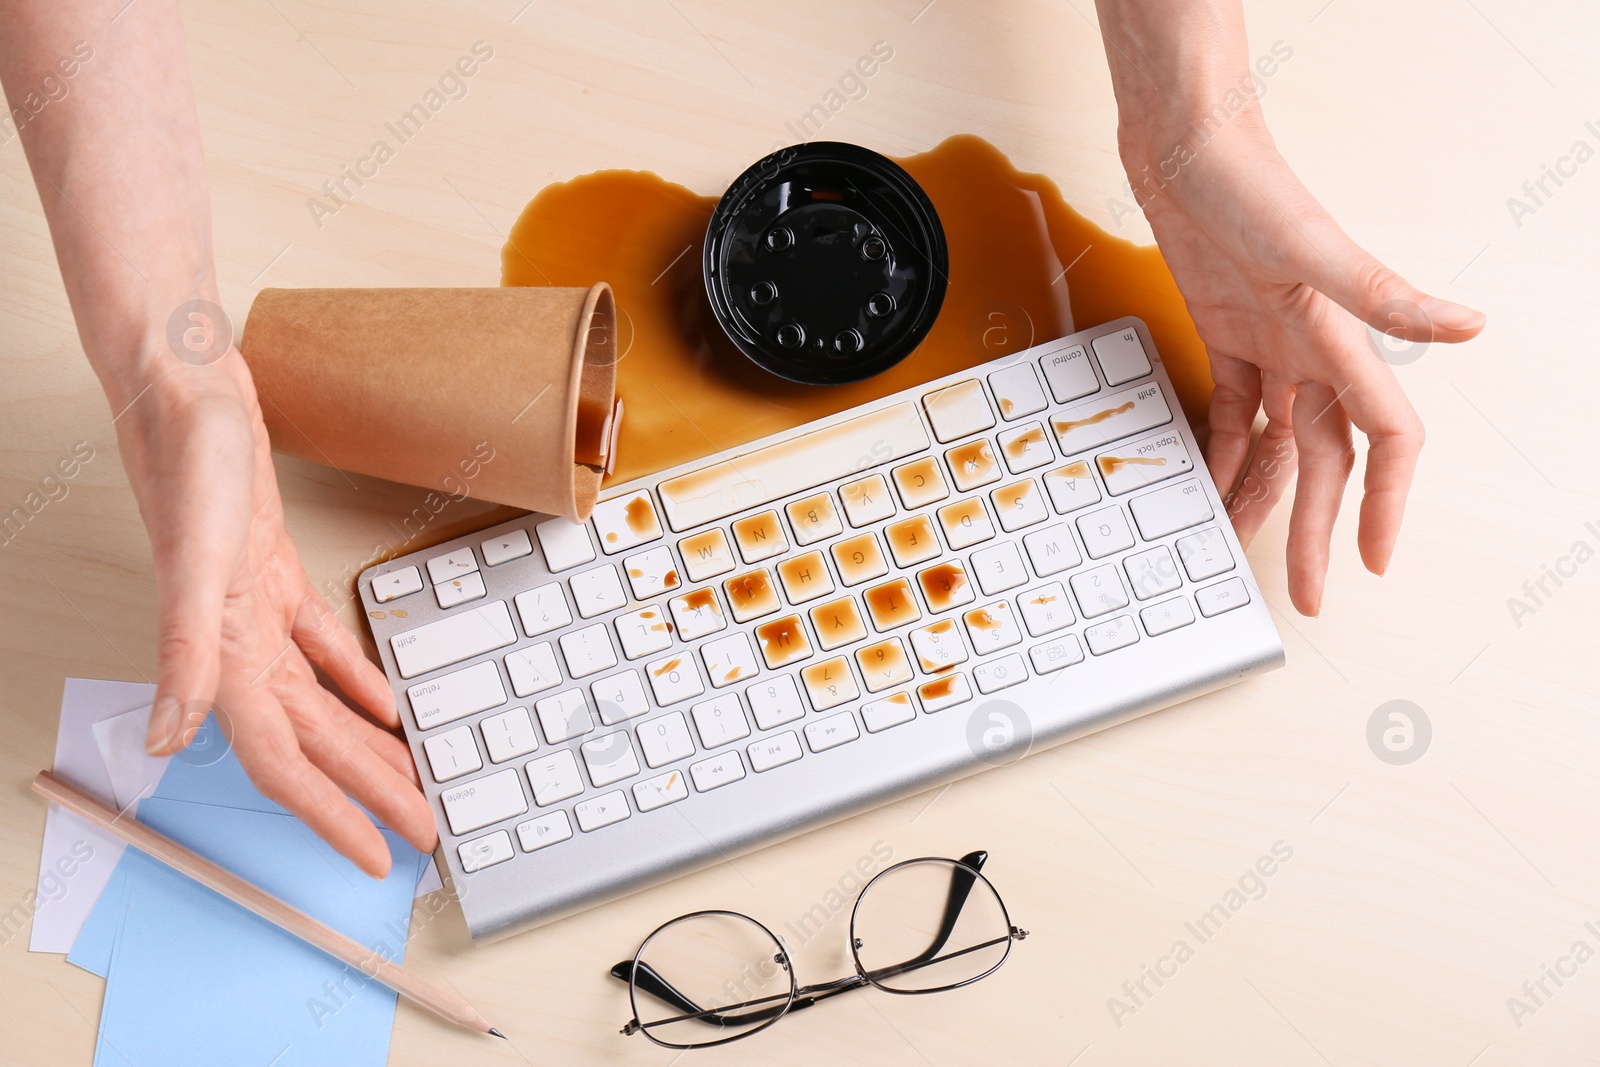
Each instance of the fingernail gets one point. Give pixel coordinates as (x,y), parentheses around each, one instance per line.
(163,720)
(1451,316)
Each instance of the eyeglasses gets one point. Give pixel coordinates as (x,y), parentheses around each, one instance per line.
(921,926)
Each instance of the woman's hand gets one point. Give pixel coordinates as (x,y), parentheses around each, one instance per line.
(1281,296)
(241,623)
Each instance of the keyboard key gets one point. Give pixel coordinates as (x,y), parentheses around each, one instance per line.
(1017,391)
(544,831)
(665,739)
(814,518)
(1072,487)
(543,609)
(554,777)
(508,735)
(603,810)
(1171,509)
(999,568)
(1020,504)
(396,584)
(912,541)
(460,590)
(775,751)
(483,802)
(1045,609)
(965,523)
(1152,573)
(972,464)
(697,613)
(832,732)
(938,646)
(588,651)
(651,573)
(1003,672)
(945,586)
(1054,655)
(1121,356)
(1111,635)
(644,631)
(944,692)
(958,409)
(1099,591)
(1026,448)
(720,720)
(893,710)
(533,669)
(1205,554)
(1104,419)
(805,462)
(729,659)
(920,482)
(452,565)
(609,758)
(1104,532)
(1166,616)
(503,548)
(859,559)
(722,769)
(883,664)
(673,679)
(1069,373)
(838,622)
(658,792)
(805,577)
(783,641)
(829,683)
(485,851)
(752,595)
(565,544)
(775,702)
(456,695)
(892,604)
(992,628)
(451,640)
(1143,463)
(452,754)
(626,522)
(620,697)
(564,716)
(760,537)
(866,500)
(597,591)
(706,555)
(1224,596)
(1052,550)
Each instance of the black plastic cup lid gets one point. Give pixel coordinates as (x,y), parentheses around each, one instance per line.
(825,263)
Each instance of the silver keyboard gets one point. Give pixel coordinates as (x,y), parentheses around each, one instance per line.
(745,648)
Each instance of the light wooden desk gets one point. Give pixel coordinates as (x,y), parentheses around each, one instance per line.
(1418,898)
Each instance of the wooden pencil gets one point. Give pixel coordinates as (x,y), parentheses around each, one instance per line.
(424,994)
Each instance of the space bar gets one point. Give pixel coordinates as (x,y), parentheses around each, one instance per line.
(807,461)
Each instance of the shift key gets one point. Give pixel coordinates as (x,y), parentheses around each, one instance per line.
(452,639)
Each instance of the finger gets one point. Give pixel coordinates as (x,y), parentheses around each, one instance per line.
(389,748)
(1327,259)
(189,662)
(1272,463)
(1374,401)
(1234,403)
(321,723)
(1322,439)
(269,751)
(333,648)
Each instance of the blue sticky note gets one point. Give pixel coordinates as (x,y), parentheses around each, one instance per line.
(208,772)
(192,978)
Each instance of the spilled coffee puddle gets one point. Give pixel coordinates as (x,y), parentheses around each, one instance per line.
(1024,268)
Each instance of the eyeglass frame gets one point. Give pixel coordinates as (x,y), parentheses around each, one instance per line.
(635,971)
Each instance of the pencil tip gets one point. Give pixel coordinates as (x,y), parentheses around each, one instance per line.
(498,1034)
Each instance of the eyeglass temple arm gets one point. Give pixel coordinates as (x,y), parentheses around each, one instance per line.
(961,883)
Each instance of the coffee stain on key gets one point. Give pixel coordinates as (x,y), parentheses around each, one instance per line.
(1018,445)
(1110,465)
(1066,426)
